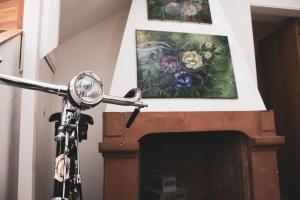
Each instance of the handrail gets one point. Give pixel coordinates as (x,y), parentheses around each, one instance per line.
(9,34)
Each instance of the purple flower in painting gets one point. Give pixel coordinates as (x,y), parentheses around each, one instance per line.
(170,64)
(183,80)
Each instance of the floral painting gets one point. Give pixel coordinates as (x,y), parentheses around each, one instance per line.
(183,65)
(197,11)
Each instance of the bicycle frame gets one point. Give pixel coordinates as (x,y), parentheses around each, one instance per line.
(70,128)
(67,180)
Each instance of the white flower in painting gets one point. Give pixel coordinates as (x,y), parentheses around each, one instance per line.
(191,7)
(209,44)
(189,10)
(172,8)
(208,55)
(198,5)
(192,60)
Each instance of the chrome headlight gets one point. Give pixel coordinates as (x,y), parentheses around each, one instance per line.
(86,89)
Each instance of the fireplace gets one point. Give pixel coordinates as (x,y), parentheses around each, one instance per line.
(208,165)
(212,155)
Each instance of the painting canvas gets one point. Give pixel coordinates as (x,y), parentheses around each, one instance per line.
(197,11)
(184,65)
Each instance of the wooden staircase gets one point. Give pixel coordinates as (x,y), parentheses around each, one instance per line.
(11,14)
(11,17)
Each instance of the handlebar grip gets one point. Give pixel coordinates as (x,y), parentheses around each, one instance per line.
(132,117)
(123,101)
(33,85)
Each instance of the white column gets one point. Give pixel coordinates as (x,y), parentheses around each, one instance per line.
(30,64)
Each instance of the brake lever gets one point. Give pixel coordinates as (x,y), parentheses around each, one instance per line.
(132,117)
(133,93)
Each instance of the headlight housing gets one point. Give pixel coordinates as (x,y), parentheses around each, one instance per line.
(86,90)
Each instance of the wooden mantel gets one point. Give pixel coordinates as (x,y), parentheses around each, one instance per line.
(120,146)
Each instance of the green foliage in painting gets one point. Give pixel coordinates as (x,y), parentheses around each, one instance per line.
(180,10)
(183,65)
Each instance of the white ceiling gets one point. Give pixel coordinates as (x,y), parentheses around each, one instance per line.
(78,15)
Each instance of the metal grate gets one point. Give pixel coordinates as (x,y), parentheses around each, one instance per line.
(152,194)
(164,183)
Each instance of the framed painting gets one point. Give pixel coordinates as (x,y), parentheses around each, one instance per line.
(184,65)
(197,11)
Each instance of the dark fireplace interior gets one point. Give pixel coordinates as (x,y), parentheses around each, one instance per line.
(206,165)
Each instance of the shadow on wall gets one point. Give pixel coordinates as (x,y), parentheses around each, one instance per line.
(76,18)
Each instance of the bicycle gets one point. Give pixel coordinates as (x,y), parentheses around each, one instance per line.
(84,91)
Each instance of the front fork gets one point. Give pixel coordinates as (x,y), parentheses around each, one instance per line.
(67,180)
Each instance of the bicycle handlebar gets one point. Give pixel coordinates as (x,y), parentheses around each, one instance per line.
(123,101)
(62,90)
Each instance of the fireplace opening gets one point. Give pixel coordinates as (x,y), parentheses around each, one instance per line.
(195,166)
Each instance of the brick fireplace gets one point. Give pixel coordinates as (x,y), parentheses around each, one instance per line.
(214,155)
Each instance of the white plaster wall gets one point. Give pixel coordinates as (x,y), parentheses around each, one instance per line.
(45,146)
(95,49)
(9,122)
(236,25)
(78,15)
(49,26)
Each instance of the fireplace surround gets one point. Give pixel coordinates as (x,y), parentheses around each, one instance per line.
(127,152)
